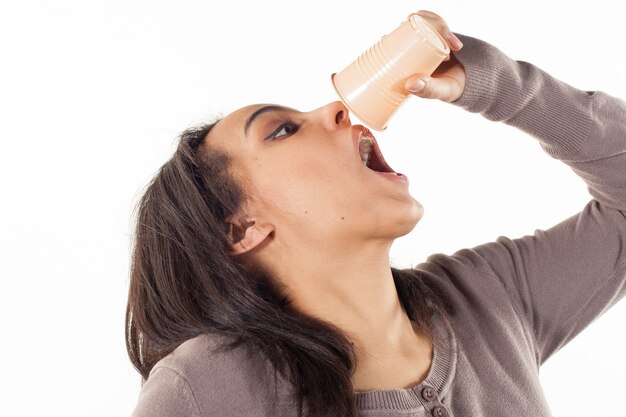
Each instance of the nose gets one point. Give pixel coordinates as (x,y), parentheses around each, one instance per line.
(335,115)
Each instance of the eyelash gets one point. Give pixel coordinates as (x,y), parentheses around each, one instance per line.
(287,122)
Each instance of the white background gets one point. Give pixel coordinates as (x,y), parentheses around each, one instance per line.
(93,94)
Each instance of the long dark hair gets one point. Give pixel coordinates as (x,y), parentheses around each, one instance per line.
(183,282)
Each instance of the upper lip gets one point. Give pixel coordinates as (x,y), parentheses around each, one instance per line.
(357,131)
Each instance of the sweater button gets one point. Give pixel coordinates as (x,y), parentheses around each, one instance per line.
(440,411)
(428,393)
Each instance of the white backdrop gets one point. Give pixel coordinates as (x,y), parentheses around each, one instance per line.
(93,94)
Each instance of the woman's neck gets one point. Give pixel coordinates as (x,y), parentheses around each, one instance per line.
(352,288)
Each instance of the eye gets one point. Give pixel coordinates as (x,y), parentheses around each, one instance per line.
(289,127)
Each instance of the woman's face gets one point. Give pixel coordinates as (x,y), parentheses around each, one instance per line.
(304,176)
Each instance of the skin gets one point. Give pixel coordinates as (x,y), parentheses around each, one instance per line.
(322,223)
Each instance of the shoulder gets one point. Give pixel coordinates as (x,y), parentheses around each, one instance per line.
(166,393)
(199,354)
(234,380)
(202,362)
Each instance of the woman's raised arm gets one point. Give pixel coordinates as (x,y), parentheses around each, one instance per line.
(562,278)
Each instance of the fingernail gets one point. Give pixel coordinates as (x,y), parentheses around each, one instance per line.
(456,41)
(417,86)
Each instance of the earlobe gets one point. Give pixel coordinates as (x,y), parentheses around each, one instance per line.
(247,236)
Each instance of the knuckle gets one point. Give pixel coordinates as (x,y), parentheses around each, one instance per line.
(428,90)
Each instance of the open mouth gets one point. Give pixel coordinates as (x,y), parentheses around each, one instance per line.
(370,153)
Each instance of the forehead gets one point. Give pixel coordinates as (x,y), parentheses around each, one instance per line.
(232,125)
(242,113)
(238,117)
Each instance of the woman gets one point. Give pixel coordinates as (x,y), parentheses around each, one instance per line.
(261,283)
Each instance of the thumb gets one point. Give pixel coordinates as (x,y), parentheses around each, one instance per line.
(429,87)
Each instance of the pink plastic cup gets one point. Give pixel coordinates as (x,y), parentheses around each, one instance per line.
(372,86)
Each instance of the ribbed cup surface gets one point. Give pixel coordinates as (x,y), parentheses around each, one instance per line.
(372,86)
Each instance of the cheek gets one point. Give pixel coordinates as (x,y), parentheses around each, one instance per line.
(306,188)
(315,201)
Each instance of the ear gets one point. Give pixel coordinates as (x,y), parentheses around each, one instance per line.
(246,234)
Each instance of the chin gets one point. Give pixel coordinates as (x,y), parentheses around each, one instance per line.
(405,222)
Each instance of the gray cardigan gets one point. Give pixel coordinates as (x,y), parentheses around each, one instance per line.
(516,301)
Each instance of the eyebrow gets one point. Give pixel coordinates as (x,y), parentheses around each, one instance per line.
(259,112)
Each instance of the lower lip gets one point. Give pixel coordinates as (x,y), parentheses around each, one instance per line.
(393,176)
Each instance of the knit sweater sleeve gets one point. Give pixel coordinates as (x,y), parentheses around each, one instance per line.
(166,394)
(560,279)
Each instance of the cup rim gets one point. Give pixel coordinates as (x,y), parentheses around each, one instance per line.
(443,53)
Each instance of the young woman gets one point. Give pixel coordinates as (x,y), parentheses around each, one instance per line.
(261,282)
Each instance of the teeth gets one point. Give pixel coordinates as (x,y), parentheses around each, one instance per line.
(365,148)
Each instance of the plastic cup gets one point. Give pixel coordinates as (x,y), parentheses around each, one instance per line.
(372,86)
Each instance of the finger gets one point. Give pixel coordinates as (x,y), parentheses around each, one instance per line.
(430,14)
(454,42)
(431,87)
(442,27)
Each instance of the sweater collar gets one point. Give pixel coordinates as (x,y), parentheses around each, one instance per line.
(439,377)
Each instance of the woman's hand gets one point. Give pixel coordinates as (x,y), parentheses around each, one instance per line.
(448,80)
